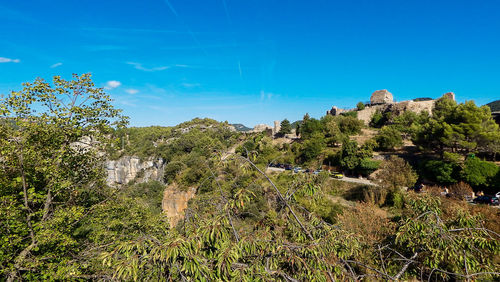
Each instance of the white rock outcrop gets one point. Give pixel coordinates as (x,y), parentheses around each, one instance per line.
(128,168)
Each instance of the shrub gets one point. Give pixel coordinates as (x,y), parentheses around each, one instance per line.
(440,171)
(350,125)
(172,169)
(479,173)
(397,173)
(389,138)
(360,106)
(460,190)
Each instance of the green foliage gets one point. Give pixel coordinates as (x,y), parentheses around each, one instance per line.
(440,171)
(310,127)
(377,119)
(352,114)
(367,166)
(360,106)
(172,169)
(454,245)
(479,173)
(286,127)
(51,172)
(312,147)
(388,138)
(350,125)
(397,173)
(461,128)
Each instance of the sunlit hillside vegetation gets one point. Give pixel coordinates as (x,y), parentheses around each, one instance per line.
(61,221)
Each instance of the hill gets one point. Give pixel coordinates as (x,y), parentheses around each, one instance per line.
(494,106)
(240,127)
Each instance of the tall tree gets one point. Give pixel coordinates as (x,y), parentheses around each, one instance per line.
(51,134)
(286,127)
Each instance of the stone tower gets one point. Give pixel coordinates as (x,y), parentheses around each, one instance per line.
(277,127)
(381,97)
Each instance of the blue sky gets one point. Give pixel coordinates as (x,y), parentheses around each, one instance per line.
(167,61)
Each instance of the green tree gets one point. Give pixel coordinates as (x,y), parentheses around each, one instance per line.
(397,173)
(461,128)
(388,138)
(50,164)
(286,127)
(312,147)
(441,171)
(350,125)
(349,158)
(310,127)
(479,173)
(360,106)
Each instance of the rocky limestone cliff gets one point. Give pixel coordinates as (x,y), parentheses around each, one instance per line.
(129,168)
(175,202)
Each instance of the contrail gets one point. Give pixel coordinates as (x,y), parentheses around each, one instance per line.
(239,68)
(195,39)
(227,12)
(234,41)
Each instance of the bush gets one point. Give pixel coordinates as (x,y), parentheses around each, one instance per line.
(367,166)
(440,171)
(377,119)
(389,138)
(312,147)
(360,106)
(350,125)
(460,190)
(172,169)
(479,173)
(397,173)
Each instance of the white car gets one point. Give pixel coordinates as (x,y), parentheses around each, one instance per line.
(497,195)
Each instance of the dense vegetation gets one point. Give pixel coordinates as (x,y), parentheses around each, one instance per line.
(60,221)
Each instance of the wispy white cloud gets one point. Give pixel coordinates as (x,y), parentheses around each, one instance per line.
(9,60)
(190,85)
(56,65)
(266,95)
(139,66)
(97,48)
(132,91)
(112,84)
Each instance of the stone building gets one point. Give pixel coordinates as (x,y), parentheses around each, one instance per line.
(381,97)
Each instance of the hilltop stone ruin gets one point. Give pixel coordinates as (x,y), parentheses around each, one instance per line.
(383,101)
(381,97)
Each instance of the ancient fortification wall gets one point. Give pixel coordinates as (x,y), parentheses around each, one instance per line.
(382,100)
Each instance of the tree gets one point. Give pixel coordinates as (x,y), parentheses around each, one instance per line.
(312,147)
(350,125)
(479,173)
(349,158)
(309,127)
(461,128)
(441,171)
(286,127)
(397,173)
(388,138)
(49,142)
(360,106)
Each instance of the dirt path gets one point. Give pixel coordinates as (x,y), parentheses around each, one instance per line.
(346,179)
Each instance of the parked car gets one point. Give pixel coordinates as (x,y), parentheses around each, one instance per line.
(337,175)
(297,169)
(488,200)
(497,195)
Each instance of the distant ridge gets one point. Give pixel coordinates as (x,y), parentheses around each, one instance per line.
(494,106)
(240,127)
